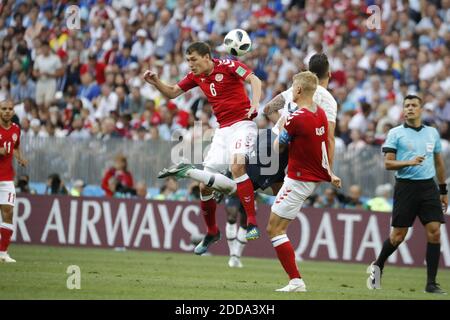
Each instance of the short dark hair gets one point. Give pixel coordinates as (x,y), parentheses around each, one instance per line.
(202,48)
(319,65)
(412,96)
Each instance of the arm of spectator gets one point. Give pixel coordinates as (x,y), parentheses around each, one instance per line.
(274,105)
(170,91)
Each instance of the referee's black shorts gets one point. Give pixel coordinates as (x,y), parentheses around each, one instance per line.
(416,198)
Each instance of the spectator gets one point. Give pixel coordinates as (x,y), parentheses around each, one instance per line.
(25,89)
(141,190)
(166,34)
(169,191)
(123,177)
(77,188)
(47,68)
(328,200)
(382,201)
(353,200)
(55,185)
(143,48)
(23,186)
(97,69)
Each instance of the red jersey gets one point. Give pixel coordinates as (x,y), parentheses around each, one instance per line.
(9,140)
(308,146)
(224,89)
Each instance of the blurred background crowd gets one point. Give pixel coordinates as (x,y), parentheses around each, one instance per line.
(85,83)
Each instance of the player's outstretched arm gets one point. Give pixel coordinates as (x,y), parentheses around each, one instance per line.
(169,91)
(273,106)
(256,84)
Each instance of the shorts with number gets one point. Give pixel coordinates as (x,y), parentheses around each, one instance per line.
(291,197)
(238,138)
(7,193)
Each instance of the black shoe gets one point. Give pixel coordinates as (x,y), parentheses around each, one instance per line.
(208,240)
(434,287)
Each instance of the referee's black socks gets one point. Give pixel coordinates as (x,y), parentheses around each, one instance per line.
(433,254)
(386,251)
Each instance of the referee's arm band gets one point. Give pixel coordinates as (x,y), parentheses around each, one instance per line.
(389,150)
(443,189)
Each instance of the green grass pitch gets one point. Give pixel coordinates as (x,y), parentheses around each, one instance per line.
(107,274)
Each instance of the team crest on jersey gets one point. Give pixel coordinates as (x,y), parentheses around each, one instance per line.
(219,77)
(14,137)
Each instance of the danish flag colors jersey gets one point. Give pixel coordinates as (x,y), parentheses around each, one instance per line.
(224,89)
(308,131)
(9,140)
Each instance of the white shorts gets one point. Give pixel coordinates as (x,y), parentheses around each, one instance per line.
(291,196)
(45,91)
(7,193)
(236,139)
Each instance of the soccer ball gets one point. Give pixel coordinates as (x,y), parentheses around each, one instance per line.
(237,42)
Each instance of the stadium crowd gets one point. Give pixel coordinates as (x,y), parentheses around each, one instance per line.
(86,82)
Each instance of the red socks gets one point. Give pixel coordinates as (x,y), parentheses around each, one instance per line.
(208,208)
(286,255)
(6,231)
(246,194)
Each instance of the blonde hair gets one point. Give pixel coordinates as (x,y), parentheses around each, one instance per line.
(307,80)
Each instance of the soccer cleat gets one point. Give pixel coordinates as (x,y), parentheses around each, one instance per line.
(218,196)
(372,282)
(178,171)
(208,240)
(434,287)
(235,262)
(4,257)
(252,232)
(295,285)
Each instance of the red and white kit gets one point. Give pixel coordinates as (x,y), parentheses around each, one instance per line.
(9,140)
(308,160)
(225,90)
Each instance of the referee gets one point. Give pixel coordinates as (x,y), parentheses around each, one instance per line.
(414,151)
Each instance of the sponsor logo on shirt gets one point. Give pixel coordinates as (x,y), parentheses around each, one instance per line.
(14,137)
(219,77)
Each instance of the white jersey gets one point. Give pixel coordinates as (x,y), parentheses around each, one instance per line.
(322,97)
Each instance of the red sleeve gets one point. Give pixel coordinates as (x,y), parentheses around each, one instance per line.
(187,83)
(291,125)
(105,180)
(240,70)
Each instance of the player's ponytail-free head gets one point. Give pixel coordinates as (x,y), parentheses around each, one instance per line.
(202,48)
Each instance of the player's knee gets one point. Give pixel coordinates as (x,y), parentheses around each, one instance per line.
(231,217)
(397,238)
(204,190)
(434,235)
(273,230)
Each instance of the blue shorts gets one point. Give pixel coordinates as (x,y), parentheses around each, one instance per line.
(266,167)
